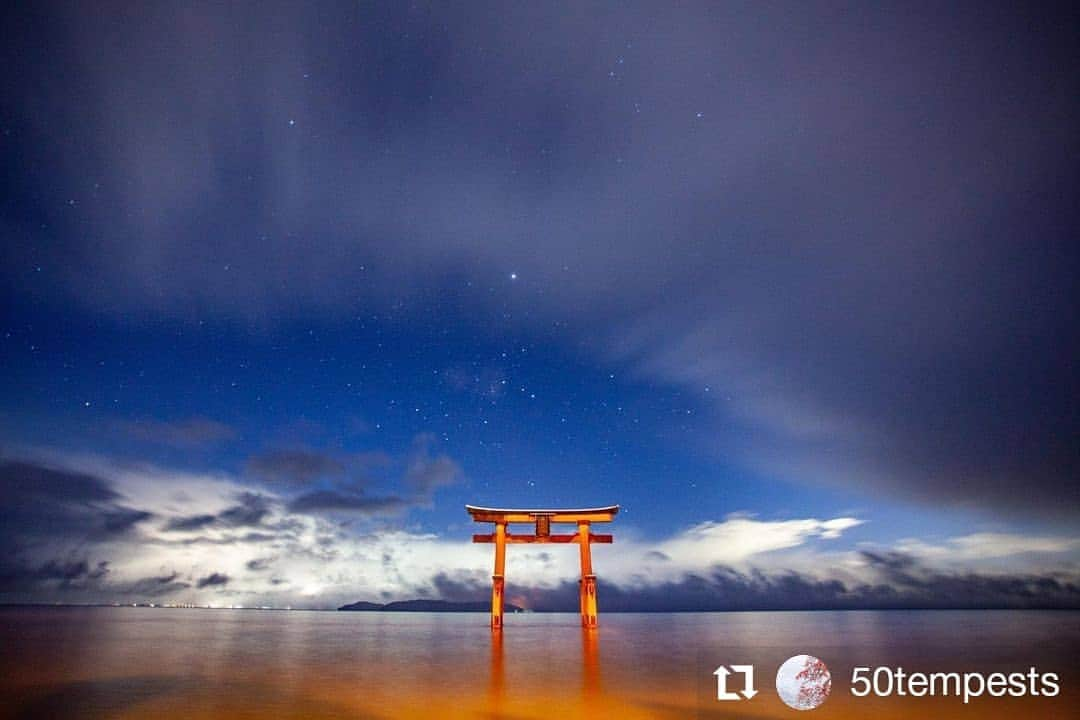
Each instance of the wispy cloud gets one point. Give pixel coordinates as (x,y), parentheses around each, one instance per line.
(194,432)
(991,546)
(295,467)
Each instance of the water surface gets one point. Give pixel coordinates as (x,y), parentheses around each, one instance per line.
(160,664)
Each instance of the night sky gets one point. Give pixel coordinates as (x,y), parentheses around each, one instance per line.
(286,285)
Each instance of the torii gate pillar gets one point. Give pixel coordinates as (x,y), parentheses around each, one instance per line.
(587,589)
(543,519)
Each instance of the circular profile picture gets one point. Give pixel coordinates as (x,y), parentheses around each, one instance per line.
(803,682)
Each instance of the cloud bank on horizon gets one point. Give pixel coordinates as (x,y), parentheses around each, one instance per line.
(155,535)
(812,263)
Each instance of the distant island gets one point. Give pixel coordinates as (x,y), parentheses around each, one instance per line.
(426,606)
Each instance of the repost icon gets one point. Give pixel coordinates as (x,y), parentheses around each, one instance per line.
(724,672)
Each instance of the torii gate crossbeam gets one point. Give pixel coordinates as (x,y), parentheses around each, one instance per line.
(542,519)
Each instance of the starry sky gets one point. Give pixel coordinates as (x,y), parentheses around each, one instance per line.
(286,285)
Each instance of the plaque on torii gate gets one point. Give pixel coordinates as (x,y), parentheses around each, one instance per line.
(542,520)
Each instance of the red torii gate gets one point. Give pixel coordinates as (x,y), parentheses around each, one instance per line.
(542,519)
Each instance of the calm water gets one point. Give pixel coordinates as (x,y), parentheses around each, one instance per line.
(156,663)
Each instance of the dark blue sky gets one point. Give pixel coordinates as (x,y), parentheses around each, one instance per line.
(533,423)
(356,266)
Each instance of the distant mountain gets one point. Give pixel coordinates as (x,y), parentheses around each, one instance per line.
(427,606)
(361,605)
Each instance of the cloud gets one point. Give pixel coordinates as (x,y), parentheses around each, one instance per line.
(81,528)
(55,504)
(462,586)
(891,579)
(222,538)
(295,467)
(990,546)
(422,473)
(739,537)
(64,575)
(154,586)
(356,502)
(212,580)
(251,511)
(726,589)
(195,432)
(425,473)
(918,585)
(122,520)
(28,482)
(738,562)
(193,522)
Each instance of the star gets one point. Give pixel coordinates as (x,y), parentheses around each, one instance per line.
(513,276)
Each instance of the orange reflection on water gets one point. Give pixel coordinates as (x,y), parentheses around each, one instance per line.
(590,663)
(497,674)
(591,698)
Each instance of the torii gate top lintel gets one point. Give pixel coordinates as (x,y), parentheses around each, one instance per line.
(582,517)
(504,515)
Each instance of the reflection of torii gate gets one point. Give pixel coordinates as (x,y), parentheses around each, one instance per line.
(543,519)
